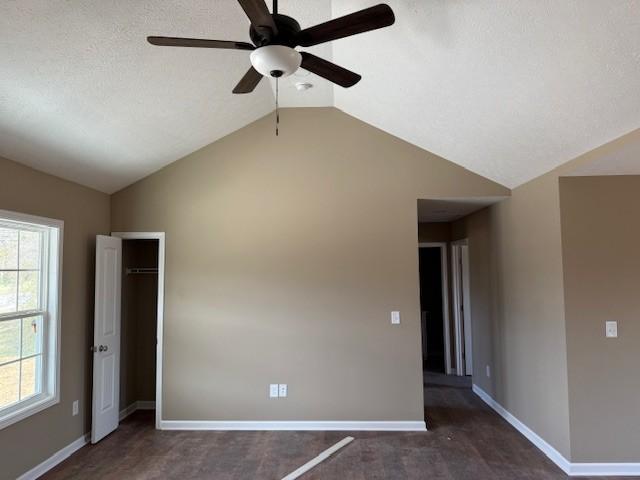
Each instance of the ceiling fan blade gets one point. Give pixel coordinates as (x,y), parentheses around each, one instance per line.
(332,72)
(249,82)
(259,15)
(198,42)
(363,21)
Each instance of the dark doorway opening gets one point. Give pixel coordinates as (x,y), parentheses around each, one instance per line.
(431,311)
(139,325)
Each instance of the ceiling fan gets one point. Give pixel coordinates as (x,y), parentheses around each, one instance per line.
(275,37)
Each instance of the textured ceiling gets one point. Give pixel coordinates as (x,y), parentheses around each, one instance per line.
(508,89)
(450,209)
(84,96)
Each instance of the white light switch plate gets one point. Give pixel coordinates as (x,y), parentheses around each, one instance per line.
(611,329)
(395,318)
(282,392)
(75,408)
(273,390)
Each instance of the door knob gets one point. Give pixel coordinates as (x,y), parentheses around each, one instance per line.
(103,348)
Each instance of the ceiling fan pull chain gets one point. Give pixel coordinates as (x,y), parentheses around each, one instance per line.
(277,112)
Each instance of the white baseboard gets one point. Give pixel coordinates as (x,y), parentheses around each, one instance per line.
(66,452)
(605,469)
(292,426)
(532,436)
(574,469)
(146,404)
(125,412)
(58,457)
(139,405)
(76,445)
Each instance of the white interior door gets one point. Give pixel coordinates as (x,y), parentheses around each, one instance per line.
(466,301)
(458,307)
(106,338)
(462,308)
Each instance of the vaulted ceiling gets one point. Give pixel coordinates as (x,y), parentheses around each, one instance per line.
(508,89)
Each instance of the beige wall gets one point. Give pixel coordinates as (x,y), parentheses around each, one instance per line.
(434,232)
(285,256)
(476,228)
(517,307)
(138,320)
(600,233)
(538,318)
(85,213)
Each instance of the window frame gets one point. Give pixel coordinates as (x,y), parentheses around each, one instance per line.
(50,309)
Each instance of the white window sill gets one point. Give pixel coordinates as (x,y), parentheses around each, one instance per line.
(26,409)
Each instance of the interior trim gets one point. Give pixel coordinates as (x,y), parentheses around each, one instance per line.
(380,426)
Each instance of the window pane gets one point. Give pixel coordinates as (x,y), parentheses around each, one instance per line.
(9,340)
(8,291)
(8,248)
(31,336)
(28,290)
(30,250)
(9,380)
(29,382)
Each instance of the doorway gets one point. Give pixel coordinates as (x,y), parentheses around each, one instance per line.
(434,308)
(128,326)
(139,324)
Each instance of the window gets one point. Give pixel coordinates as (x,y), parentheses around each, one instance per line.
(30,251)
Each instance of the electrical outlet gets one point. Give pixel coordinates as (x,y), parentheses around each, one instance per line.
(395,318)
(282,390)
(488,371)
(75,408)
(273,390)
(611,329)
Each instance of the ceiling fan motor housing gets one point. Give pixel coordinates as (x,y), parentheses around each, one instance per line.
(276,60)
(288,29)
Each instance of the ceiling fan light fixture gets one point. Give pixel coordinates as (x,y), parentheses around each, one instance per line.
(276,60)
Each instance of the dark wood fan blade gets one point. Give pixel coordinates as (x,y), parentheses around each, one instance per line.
(249,82)
(332,72)
(363,21)
(198,42)
(259,15)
